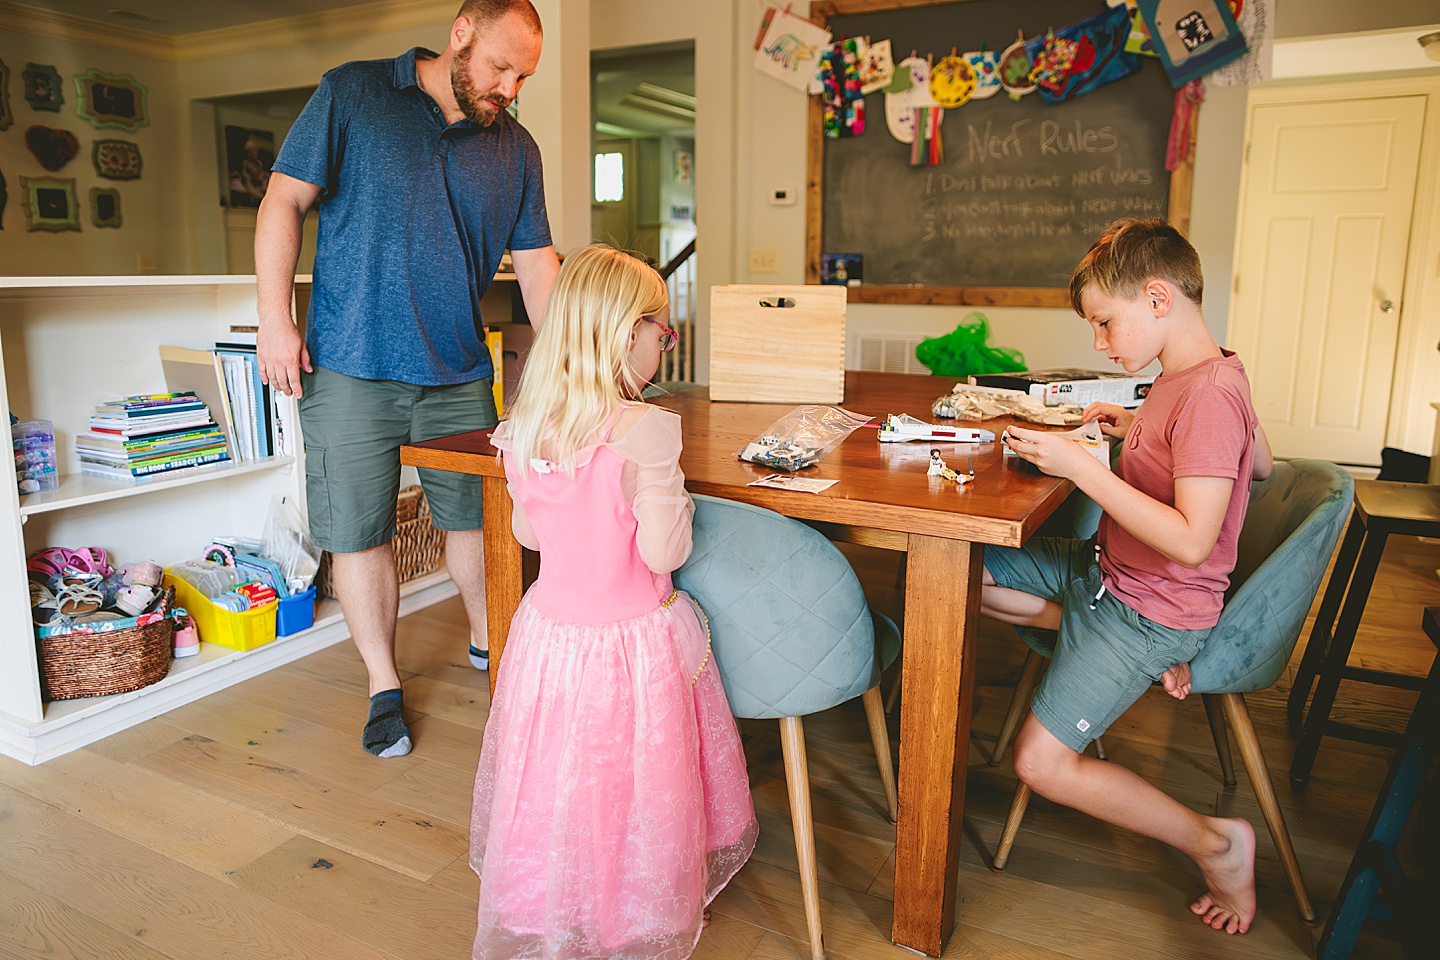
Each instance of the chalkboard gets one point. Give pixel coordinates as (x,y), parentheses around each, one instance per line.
(1024,187)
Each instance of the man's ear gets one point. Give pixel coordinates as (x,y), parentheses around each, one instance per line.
(1160,295)
(460,32)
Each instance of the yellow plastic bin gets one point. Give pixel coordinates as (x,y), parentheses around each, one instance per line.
(238,631)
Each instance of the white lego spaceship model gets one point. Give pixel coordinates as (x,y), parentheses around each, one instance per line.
(901,427)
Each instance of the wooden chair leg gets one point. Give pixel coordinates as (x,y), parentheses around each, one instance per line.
(894,693)
(1216,713)
(1019,703)
(797,780)
(1012,827)
(1237,717)
(880,737)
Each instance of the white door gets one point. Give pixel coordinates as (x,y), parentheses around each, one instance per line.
(1323,237)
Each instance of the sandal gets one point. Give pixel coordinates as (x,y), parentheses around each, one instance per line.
(43,607)
(77,593)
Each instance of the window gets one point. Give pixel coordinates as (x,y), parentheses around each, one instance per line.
(609,177)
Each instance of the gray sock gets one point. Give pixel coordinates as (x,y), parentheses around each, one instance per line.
(385,732)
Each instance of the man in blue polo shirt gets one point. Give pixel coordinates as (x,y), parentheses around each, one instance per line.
(423,181)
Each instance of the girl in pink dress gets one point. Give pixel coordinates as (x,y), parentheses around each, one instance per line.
(612,802)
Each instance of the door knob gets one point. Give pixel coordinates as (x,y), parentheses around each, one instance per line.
(1387,306)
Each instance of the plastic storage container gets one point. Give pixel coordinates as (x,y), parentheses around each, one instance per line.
(34,445)
(296,613)
(238,631)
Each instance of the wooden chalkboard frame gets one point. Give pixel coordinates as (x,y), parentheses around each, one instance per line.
(1181,181)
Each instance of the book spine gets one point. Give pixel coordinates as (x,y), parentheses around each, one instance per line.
(177,463)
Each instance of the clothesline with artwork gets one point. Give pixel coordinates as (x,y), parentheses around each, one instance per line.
(1058,66)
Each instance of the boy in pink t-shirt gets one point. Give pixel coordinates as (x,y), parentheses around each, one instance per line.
(1136,605)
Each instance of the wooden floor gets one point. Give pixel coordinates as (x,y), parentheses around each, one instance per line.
(252,825)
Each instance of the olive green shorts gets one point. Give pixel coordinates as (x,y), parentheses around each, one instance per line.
(1106,655)
(353,432)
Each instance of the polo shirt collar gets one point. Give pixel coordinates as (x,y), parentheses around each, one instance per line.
(405,75)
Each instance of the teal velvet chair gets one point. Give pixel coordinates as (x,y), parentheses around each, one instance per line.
(1291,528)
(792,635)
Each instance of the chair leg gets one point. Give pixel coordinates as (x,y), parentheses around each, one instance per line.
(1216,713)
(894,693)
(880,736)
(1012,827)
(1237,716)
(1100,753)
(1019,703)
(797,779)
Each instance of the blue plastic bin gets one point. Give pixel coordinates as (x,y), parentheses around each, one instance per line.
(296,613)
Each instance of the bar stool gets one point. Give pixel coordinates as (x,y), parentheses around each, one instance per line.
(1381,509)
(1375,867)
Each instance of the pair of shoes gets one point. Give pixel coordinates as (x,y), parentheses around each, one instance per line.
(52,561)
(479,659)
(77,592)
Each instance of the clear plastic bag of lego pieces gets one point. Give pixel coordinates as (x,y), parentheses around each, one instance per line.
(967,402)
(801,437)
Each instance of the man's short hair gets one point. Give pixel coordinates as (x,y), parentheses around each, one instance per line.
(1132,252)
(484,12)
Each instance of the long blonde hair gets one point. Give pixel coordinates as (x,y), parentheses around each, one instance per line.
(578,371)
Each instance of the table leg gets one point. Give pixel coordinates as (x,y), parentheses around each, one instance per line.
(1324,620)
(1333,665)
(942,603)
(504,566)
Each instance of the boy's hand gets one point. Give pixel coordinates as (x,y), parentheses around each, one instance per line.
(1114,420)
(1056,455)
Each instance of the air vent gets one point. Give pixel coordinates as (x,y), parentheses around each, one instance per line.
(885,355)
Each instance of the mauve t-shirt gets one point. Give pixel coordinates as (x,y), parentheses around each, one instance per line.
(1195,423)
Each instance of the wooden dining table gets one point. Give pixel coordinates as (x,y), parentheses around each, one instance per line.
(883,498)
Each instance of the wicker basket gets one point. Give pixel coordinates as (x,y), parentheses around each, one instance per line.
(419,545)
(75,665)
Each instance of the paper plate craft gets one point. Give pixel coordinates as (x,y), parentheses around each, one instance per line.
(6,117)
(877,68)
(43,89)
(986,64)
(952,82)
(900,108)
(50,204)
(1014,69)
(53,147)
(1192,37)
(105,207)
(1083,56)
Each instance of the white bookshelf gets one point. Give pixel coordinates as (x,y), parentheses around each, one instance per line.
(66,343)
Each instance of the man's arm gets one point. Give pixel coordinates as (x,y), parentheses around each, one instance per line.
(278,228)
(535,270)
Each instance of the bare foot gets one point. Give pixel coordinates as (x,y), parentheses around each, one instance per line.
(704,919)
(1177,681)
(1229,903)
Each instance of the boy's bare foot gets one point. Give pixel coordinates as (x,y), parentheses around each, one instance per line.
(1229,903)
(704,919)
(1177,681)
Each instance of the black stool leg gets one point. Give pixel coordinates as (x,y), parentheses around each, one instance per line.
(1318,716)
(1324,621)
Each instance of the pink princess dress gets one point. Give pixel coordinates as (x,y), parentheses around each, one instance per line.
(612,802)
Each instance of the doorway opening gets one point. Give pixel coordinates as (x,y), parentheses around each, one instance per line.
(644,170)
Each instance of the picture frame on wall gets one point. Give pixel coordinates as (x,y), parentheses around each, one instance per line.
(50,203)
(7,116)
(116,159)
(111,100)
(249,155)
(43,89)
(105,207)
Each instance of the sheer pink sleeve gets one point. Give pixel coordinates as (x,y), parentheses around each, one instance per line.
(655,487)
(519,522)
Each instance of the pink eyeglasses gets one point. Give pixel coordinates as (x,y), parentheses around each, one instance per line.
(668,337)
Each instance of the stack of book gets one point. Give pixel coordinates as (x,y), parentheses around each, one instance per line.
(146,436)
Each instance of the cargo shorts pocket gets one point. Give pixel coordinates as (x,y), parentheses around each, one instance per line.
(317,493)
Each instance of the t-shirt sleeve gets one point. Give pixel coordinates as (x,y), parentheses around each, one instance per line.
(532,227)
(1210,433)
(315,142)
(656,487)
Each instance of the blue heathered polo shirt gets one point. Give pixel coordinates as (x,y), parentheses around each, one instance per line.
(414,216)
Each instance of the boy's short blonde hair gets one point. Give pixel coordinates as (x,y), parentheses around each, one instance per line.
(1132,252)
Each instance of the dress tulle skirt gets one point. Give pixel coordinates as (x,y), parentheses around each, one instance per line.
(612,802)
